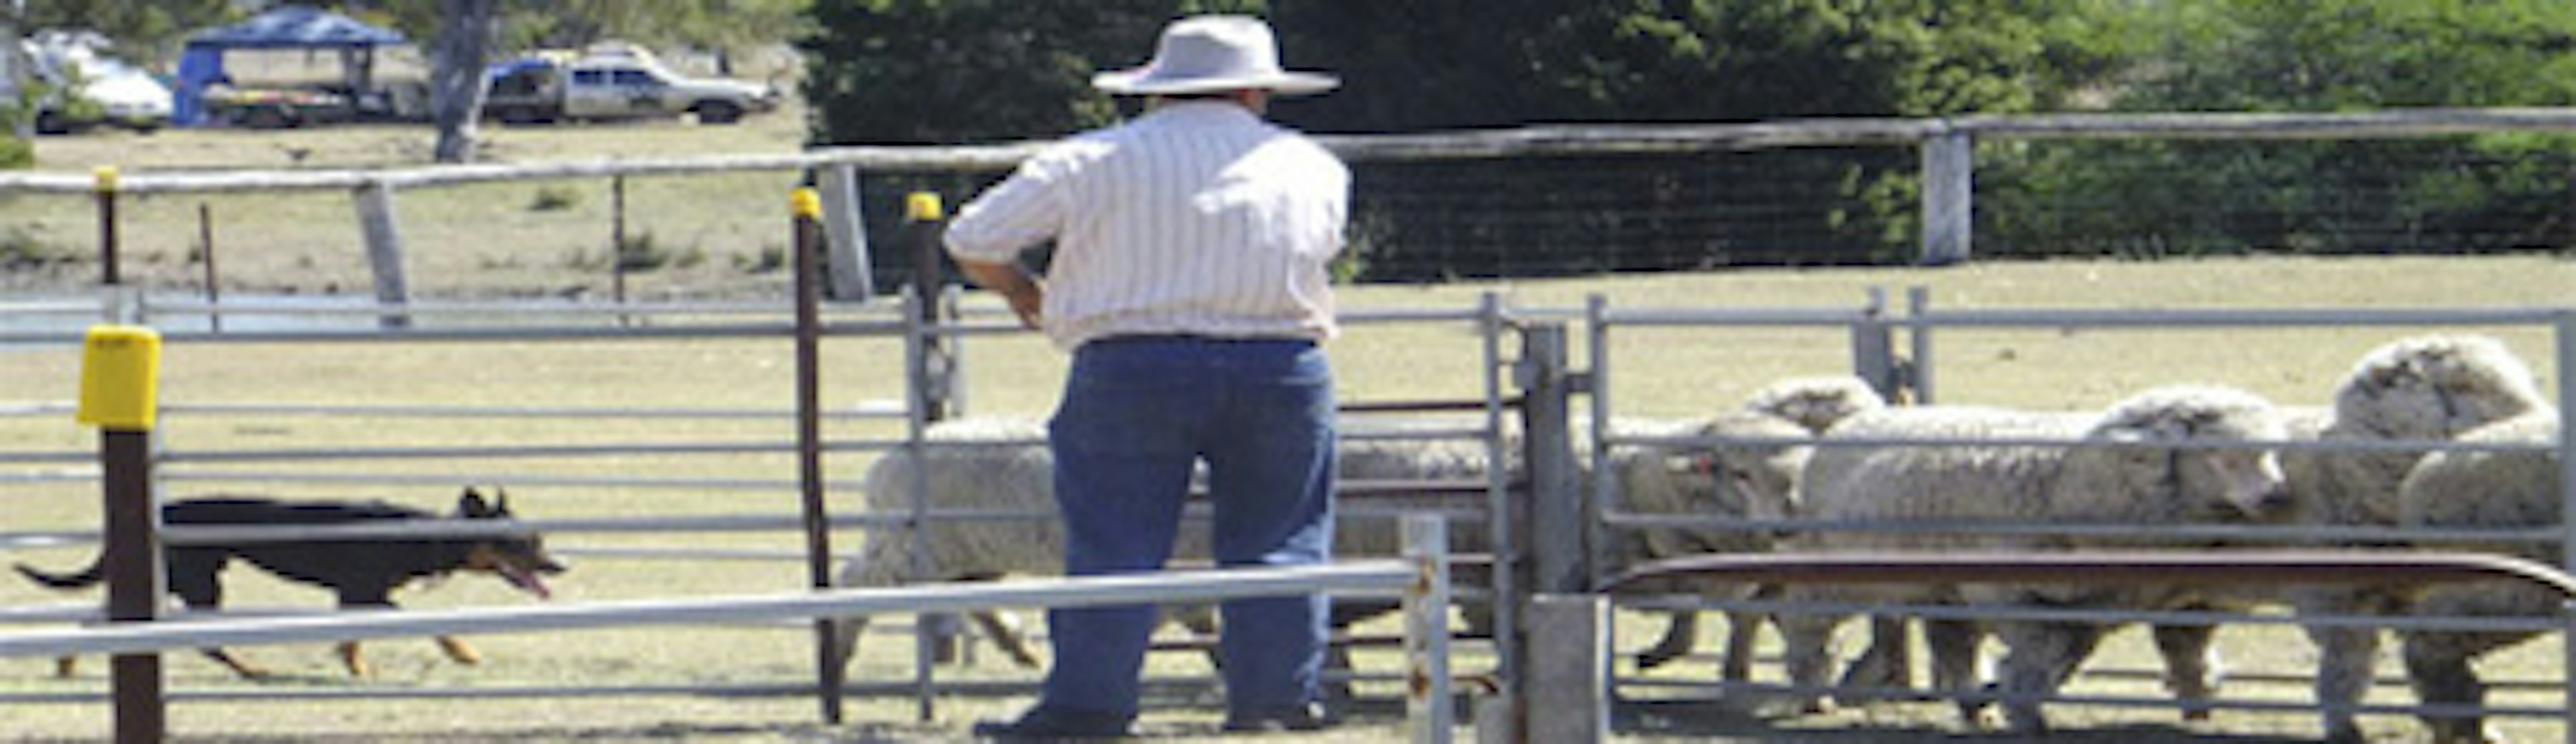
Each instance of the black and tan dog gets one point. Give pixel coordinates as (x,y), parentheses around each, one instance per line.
(363,570)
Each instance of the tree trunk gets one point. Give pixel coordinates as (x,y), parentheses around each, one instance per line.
(456,75)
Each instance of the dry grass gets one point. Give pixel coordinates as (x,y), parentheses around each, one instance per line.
(1657,372)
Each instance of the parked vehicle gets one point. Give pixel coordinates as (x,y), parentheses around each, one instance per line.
(86,87)
(614,84)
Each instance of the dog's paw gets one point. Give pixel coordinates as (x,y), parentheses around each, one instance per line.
(458,651)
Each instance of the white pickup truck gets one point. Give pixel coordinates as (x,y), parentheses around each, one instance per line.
(536,90)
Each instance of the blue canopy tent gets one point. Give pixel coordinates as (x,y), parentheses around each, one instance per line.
(201,63)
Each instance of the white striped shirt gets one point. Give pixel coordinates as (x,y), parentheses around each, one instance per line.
(1196,218)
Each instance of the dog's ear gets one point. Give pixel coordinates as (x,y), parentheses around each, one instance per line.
(500,502)
(471,505)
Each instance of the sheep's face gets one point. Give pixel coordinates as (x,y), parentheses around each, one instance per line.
(2435,387)
(1758,477)
(2175,441)
(1755,485)
(2249,480)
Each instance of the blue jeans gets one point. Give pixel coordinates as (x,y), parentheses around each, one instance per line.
(1136,416)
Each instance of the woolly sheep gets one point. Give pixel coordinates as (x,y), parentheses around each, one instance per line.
(1002,464)
(2494,489)
(2123,478)
(2429,387)
(1812,404)
(1013,472)
(1753,479)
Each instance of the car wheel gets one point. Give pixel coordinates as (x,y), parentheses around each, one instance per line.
(267,117)
(719,112)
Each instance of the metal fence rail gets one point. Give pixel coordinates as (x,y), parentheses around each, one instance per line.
(1423,577)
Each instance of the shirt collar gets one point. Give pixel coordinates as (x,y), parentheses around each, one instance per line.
(1205,111)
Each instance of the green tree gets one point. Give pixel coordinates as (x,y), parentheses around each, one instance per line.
(2468,193)
(952,71)
(719,25)
(948,71)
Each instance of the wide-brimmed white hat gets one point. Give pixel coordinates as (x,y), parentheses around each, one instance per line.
(1212,53)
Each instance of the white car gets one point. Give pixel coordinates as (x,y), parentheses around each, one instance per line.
(123,95)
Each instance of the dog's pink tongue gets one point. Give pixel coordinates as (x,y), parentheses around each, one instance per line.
(527,581)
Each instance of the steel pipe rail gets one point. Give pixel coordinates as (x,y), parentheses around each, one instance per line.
(127,638)
(2225,567)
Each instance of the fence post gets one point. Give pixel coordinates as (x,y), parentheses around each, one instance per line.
(2567,666)
(120,367)
(2564,329)
(1949,196)
(617,241)
(846,228)
(1918,335)
(214,280)
(932,380)
(1597,536)
(926,367)
(1429,707)
(805,209)
(1873,347)
(103,189)
(384,250)
(1551,527)
(1569,670)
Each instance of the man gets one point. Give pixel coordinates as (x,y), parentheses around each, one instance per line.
(1189,282)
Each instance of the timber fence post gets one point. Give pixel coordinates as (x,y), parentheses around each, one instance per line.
(1949,196)
(376,219)
(846,229)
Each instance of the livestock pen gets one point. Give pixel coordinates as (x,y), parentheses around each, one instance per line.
(1833,338)
(2547,327)
(292,397)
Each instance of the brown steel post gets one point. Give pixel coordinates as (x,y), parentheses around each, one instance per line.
(214,291)
(923,220)
(119,370)
(808,209)
(104,188)
(927,375)
(617,241)
(133,580)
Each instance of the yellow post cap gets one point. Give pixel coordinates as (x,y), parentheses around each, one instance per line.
(120,377)
(805,203)
(922,206)
(104,178)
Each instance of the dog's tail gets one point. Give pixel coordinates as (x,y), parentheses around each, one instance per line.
(88,577)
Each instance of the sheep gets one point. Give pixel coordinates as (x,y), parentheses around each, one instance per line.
(1749,480)
(2429,387)
(1003,464)
(2495,489)
(1813,404)
(2120,476)
(1014,472)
